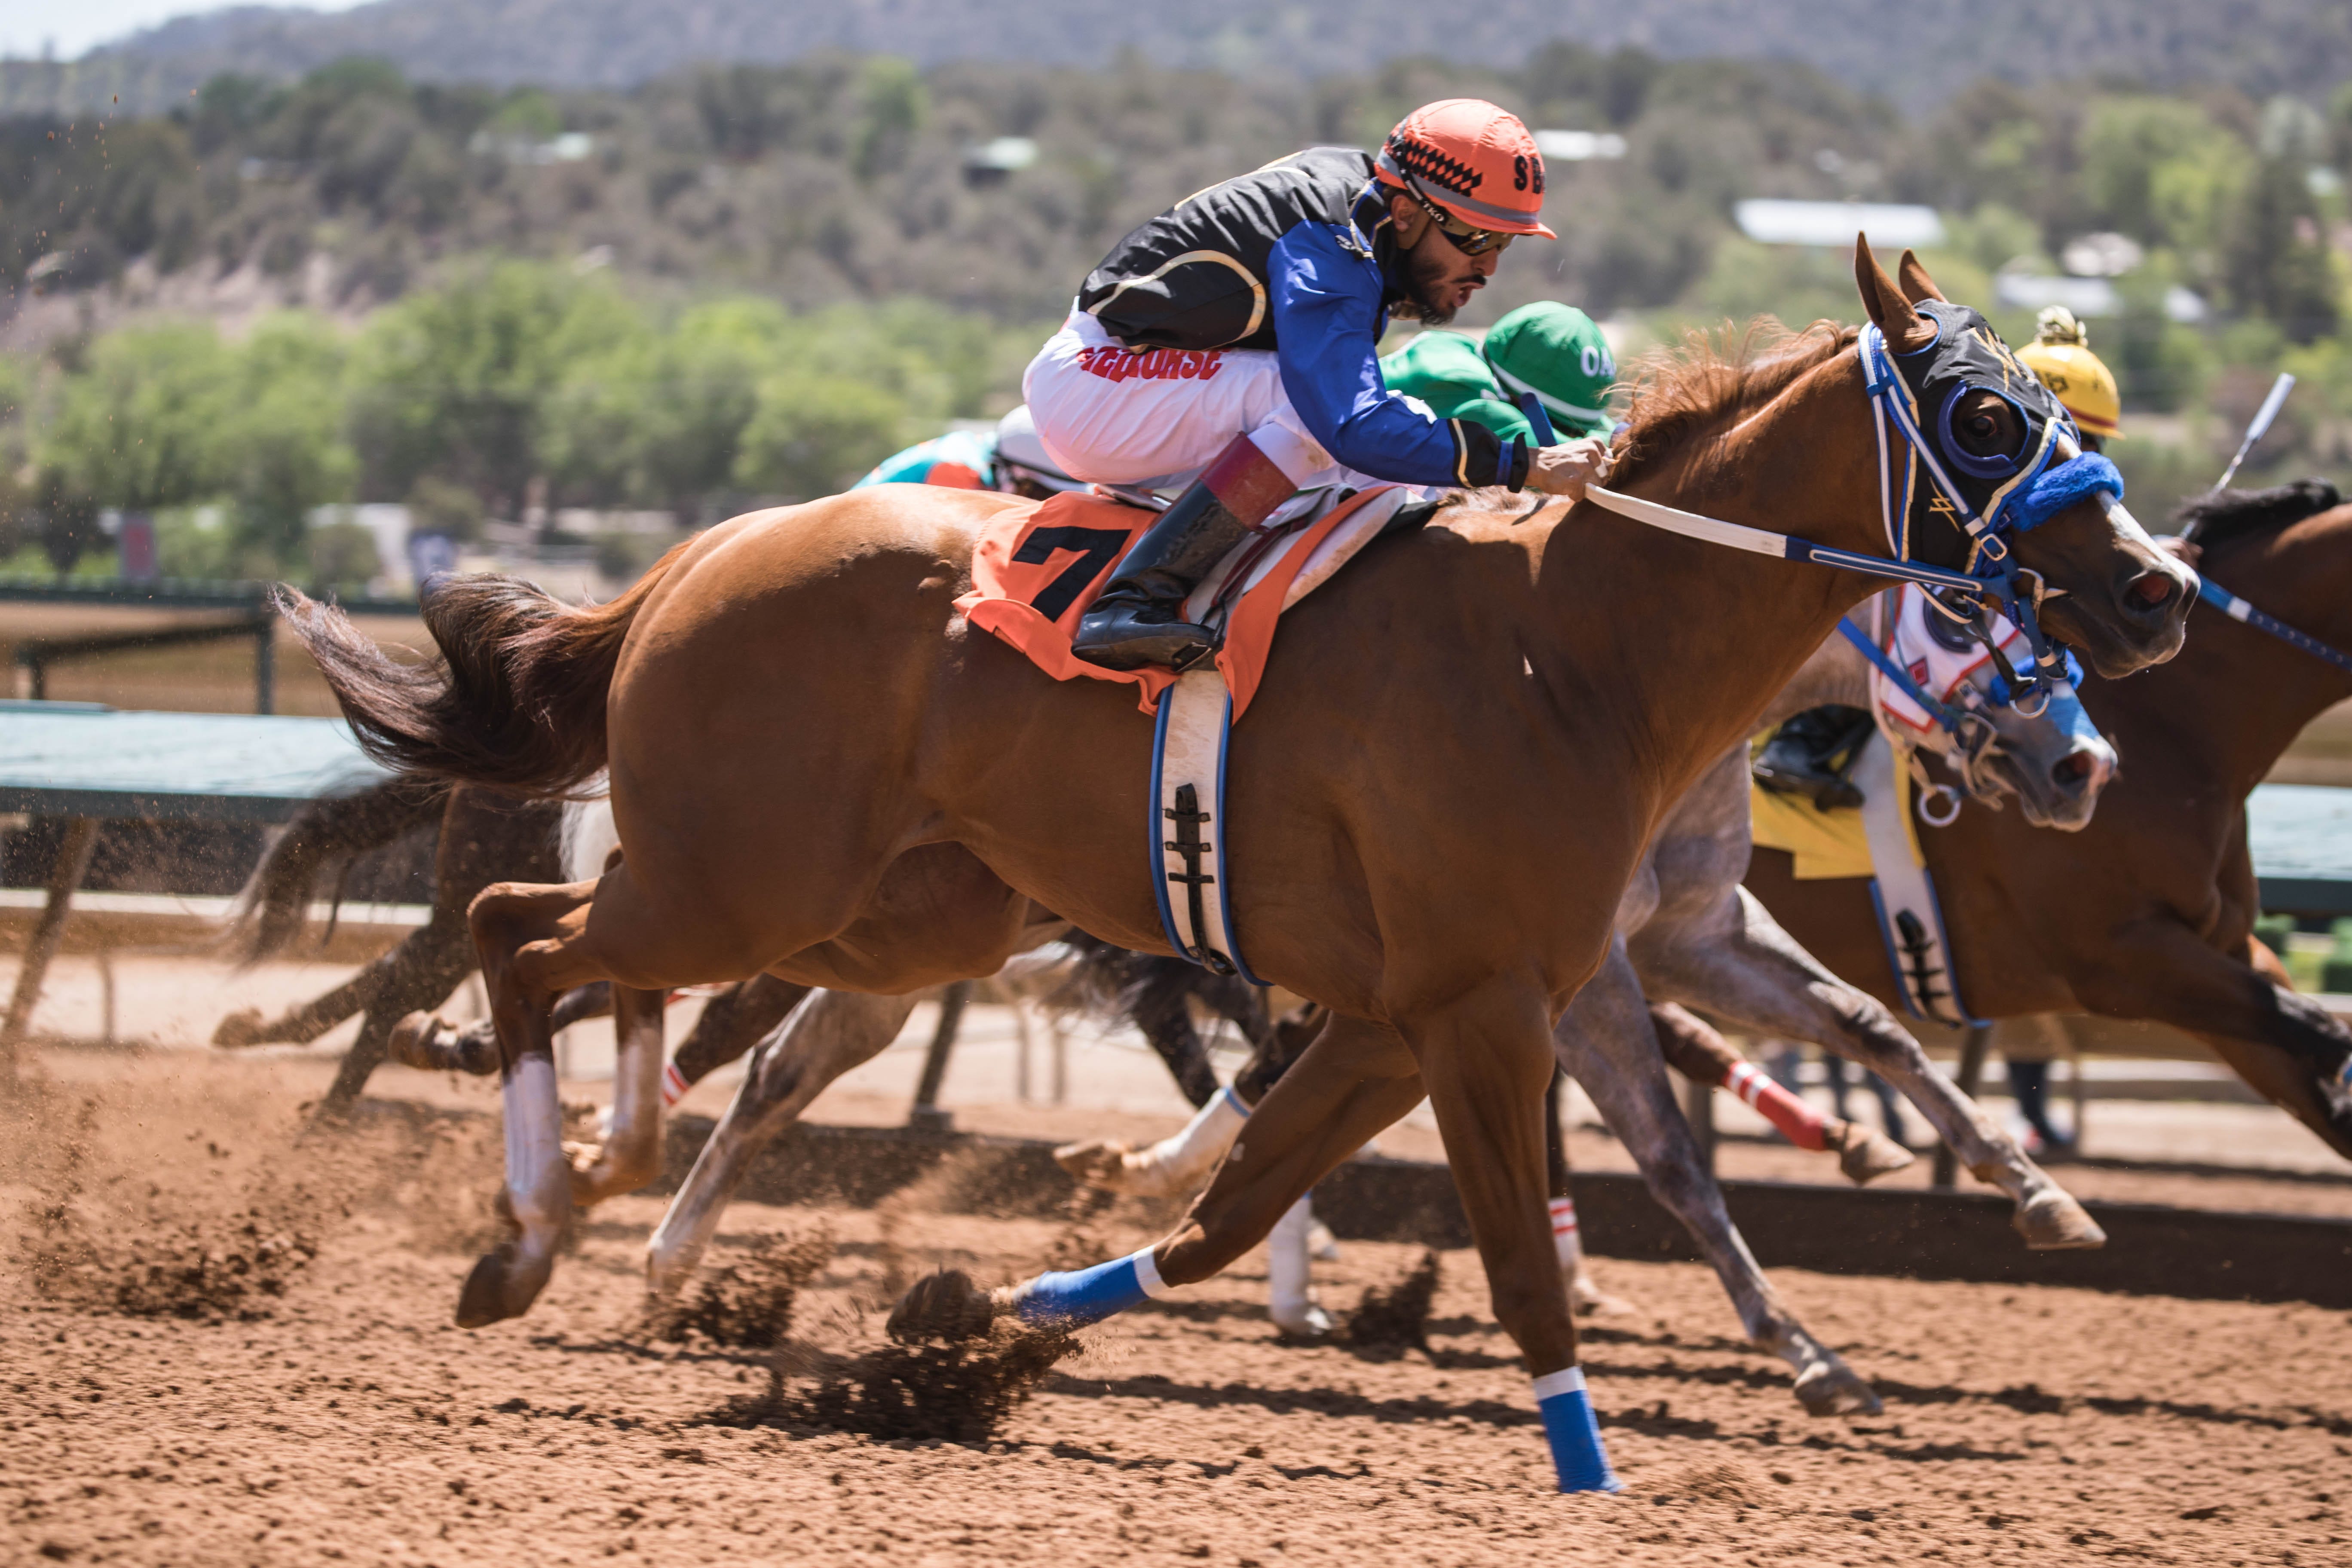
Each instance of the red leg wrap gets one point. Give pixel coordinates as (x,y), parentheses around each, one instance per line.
(1798,1122)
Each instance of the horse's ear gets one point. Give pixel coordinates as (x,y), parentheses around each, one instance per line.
(1906,331)
(1916,284)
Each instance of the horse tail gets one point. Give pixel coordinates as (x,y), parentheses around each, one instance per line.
(516,698)
(325,836)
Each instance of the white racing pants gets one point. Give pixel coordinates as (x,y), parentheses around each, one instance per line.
(1114,415)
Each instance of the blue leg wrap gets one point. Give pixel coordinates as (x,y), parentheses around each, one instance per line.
(1573,1433)
(1085,1296)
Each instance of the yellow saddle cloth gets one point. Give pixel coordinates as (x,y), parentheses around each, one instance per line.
(1824,844)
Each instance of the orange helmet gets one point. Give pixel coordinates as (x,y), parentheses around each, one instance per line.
(1472,158)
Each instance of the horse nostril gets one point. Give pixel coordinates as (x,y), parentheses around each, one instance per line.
(2152,590)
(2072,770)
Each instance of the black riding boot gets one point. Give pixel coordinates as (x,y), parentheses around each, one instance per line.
(1811,755)
(1139,619)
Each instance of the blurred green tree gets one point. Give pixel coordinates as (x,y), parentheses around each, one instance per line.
(813,434)
(455,382)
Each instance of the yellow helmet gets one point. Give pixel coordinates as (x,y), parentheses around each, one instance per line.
(2060,355)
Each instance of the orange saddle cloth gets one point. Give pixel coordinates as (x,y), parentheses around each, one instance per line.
(1037,569)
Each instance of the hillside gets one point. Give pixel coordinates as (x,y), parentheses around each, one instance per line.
(1919,55)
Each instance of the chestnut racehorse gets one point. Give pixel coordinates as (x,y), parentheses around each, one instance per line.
(2148,911)
(820,770)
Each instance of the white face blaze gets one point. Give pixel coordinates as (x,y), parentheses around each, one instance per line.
(2126,530)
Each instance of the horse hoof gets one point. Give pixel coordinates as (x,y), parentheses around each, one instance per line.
(667,1272)
(1122,1168)
(2052,1221)
(588,1180)
(1586,1299)
(239,1029)
(503,1284)
(1115,1167)
(1301,1321)
(941,1306)
(412,1042)
(1866,1155)
(1091,1162)
(1833,1388)
(1321,1245)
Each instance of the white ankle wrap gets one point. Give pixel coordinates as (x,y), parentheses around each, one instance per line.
(1181,1159)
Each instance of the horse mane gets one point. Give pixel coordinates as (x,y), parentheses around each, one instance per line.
(1710,377)
(2226,515)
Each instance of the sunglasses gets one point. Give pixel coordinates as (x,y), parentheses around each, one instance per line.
(1467,240)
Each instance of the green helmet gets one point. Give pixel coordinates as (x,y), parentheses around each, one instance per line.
(1556,351)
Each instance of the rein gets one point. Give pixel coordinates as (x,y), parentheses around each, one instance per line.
(1785,546)
(2237,609)
(1943,713)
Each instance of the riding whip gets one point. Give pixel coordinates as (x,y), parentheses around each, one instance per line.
(2261,427)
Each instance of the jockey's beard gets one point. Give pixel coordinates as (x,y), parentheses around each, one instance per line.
(1433,276)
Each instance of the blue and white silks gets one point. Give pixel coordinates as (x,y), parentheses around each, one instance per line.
(1574,1433)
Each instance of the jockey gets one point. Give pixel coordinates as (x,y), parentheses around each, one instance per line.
(1008,459)
(1230,345)
(961,459)
(2060,355)
(1553,352)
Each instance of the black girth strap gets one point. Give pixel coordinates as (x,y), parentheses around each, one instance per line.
(1188,844)
(1919,973)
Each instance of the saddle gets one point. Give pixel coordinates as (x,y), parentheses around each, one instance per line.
(1037,569)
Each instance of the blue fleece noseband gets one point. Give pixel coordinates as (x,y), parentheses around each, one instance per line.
(2060,486)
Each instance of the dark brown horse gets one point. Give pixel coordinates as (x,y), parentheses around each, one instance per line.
(2148,912)
(486,835)
(820,770)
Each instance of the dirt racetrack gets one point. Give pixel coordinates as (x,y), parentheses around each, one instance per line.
(224,1347)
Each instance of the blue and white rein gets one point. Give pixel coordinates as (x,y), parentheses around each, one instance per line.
(2238,610)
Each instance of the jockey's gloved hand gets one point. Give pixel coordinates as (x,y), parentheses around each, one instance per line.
(1566,470)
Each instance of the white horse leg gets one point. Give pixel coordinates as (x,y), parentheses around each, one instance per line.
(631,1154)
(1737,962)
(1178,1165)
(1290,1289)
(586,836)
(828,1033)
(1606,1042)
(537,1196)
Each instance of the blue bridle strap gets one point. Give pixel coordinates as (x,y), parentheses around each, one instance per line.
(1943,713)
(2237,609)
(2066,484)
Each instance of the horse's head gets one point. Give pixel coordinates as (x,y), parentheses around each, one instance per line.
(2048,754)
(1991,437)
(2055,762)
